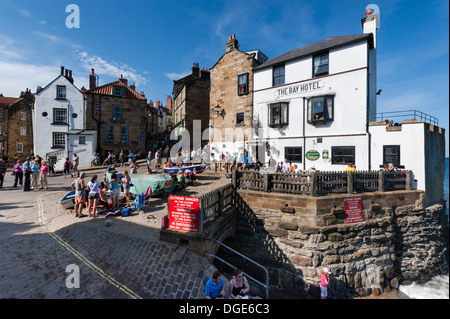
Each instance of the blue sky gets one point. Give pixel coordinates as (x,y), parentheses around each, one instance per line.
(153,43)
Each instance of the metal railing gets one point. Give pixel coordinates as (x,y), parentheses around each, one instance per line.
(399,116)
(266,285)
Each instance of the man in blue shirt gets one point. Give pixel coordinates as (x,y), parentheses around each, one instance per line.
(26,167)
(215,287)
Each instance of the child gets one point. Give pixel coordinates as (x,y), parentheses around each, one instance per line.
(134,166)
(66,167)
(126,185)
(324,281)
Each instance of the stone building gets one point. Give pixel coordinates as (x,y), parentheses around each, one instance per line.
(16,132)
(231,99)
(118,113)
(190,108)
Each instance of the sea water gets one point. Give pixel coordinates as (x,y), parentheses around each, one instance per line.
(438,287)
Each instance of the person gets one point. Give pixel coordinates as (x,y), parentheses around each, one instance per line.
(111,169)
(203,156)
(245,159)
(95,160)
(130,158)
(44,171)
(26,167)
(34,174)
(350,168)
(103,196)
(279,167)
(94,195)
(391,167)
(126,184)
(121,158)
(222,160)
(149,160)
(3,169)
(51,166)
(238,285)
(115,191)
(180,177)
(75,163)
(18,173)
(286,166)
(391,123)
(324,281)
(134,166)
(79,187)
(108,159)
(193,156)
(66,167)
(297,169)
(214,287)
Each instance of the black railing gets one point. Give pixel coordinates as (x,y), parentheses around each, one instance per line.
(399,116)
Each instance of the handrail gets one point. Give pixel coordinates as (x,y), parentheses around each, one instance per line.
(266,285)
(415,114)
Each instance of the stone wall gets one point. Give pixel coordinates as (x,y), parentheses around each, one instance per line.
(398,241)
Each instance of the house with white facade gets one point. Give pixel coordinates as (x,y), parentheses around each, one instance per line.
(317,107)
(59,122)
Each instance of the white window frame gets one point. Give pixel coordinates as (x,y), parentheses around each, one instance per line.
(23,131)
(55,115)
(58,137)
(23,116)
(19,150)
(61,92)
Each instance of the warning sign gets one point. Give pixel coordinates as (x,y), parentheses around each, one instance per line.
(184,213)
(353,210)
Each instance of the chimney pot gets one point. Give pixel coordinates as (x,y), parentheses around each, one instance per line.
(229,38)
(233,36)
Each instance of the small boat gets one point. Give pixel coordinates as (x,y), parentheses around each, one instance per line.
(68,201)
(174,170)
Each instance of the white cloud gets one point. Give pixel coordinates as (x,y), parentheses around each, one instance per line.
(110,68)
(24,12)
(51,37)
(176,76)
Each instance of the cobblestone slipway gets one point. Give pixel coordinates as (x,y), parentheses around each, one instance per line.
(38,240)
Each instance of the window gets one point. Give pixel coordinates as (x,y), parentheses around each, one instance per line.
(60,92)
(109,134)
(23,116)
(117,91)
(320,109)
(320,65)
(243,84)
(278,114)
(117,112)
(391,154)
(293,154)
(124,134)
(278,75)
(82,139)
(60,116)
(59,139)
(23,131)
(19,148)
(239,118)
(342,154)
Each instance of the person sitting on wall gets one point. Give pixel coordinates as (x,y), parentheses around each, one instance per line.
(214,288)
(95,160)
(391,167)
(350,168)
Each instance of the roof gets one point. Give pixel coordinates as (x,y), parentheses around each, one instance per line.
(84,132)
(321,46)
(61,75)
(107,89)
(5,101)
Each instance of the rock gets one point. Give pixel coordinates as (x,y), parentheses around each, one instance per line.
(108,222)
(394,283)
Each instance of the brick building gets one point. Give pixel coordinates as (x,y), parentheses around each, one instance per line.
(190,107)
(231,99)
(118,113)
(16,132)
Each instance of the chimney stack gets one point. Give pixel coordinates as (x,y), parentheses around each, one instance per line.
(122,80)
(92,84)
(370,23)
(133,86)
(169,102)
(195,69)
(232,43)
(62,70)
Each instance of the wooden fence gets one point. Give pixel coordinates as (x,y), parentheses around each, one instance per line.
(322,183)
(214,203)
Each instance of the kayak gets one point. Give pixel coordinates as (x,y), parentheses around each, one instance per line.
(174,170)
(68,201)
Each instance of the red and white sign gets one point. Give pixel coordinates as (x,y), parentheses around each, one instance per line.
(353,210)
(184,213)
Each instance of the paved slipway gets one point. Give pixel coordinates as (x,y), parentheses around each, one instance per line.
(39,240)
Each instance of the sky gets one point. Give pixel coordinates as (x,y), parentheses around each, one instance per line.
(152,43)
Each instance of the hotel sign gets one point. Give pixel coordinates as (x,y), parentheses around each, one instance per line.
(300,88)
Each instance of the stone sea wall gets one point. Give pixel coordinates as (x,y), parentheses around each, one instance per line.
(398,241)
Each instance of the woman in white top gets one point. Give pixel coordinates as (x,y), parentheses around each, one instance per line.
(94,195)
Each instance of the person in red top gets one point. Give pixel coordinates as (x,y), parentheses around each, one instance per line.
(44,170)
(324,281)
(66,169)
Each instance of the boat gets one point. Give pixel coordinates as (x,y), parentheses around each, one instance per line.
(174,170)
(68,201)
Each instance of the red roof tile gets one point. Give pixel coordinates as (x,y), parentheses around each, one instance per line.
(4,101)
(107,89)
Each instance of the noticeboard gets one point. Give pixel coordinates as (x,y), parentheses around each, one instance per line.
(184,213)
(353,210)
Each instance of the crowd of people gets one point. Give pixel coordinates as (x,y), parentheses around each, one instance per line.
(32,174)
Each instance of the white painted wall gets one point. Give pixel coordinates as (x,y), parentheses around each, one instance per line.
(45,101)
(83,151)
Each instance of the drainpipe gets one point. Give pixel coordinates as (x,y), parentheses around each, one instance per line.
(98,121)
(304,137)
(369,137)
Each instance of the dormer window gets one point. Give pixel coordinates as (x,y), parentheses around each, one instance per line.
(320,66)
(117,91)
